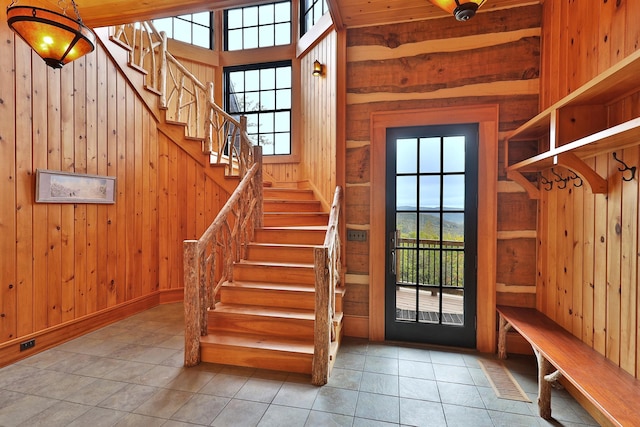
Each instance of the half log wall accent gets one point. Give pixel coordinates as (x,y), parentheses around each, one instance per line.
(64,268)
(434,64)
(588,261)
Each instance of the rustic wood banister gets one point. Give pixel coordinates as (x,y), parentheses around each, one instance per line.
(328,271)
(185,99)
(208,261)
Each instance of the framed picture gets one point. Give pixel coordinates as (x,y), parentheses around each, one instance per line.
(66,187)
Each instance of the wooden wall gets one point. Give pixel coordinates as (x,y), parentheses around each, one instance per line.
(588,260)
(62,263)
(492,59)
(318,117)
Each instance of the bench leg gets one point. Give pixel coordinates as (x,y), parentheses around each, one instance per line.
(544,386)
(502,337)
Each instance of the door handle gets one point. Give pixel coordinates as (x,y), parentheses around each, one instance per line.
(392,245)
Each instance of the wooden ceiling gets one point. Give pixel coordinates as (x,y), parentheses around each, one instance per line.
(347,13)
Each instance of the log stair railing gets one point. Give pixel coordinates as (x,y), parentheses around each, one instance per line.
(277,303)
(262,289)
(184,99)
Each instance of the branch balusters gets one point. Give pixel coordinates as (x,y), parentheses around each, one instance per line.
(186,99)
(208,261)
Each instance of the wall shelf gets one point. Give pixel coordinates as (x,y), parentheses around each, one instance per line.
(577,128)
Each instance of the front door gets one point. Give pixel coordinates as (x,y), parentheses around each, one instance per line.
(431,218)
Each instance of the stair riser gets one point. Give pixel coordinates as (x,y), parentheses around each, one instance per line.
(287,194)
(298,329)
(301,237)
(292,220)
(256,358)
(269,298)
(268,273)
(280,253)
(291,206)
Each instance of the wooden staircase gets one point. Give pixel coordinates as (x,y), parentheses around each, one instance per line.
(265,316)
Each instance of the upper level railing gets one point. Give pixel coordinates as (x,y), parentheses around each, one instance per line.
(185,99)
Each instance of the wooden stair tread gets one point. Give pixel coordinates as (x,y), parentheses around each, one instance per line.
(245,262)
(283,245)
(254,310)
(292,287)
(259,342)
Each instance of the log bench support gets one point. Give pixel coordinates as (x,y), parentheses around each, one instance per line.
(544,367)
(612,393)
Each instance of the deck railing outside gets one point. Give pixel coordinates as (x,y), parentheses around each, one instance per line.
(438,261)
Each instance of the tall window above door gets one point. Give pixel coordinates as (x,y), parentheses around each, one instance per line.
(310,12)
(262,93)
(253,27)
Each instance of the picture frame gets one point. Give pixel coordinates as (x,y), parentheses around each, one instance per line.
(67,187)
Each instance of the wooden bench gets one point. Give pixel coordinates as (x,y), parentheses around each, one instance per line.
(614,392)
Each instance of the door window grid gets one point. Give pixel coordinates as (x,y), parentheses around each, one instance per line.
(436,260)
(253,27)
(262,93)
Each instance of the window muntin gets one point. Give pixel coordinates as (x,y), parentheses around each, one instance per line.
(192,28)
(253,27)
(262,93)
(311,12)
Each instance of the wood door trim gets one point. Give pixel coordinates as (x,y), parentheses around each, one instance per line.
(487,118)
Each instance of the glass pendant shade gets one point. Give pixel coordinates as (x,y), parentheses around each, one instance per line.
(463,10)
(56,38)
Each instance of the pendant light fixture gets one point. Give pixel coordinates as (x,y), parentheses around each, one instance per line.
(55,37)
(463,10)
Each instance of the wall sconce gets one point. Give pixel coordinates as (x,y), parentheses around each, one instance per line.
(463,10)
(318,68)
(55,37)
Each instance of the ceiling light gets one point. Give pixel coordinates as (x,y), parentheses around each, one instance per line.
(463,10)
(55,37)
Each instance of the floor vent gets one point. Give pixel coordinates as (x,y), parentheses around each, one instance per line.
(502,382)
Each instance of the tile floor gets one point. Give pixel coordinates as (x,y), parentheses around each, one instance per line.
(130,374)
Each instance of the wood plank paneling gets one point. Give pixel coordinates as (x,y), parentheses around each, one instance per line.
(602,289)
(64,262)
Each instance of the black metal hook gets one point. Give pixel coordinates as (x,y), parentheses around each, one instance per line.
(545,181)
(560,179)
(625,168)
(574,177)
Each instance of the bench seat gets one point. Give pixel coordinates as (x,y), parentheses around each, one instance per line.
(613,391)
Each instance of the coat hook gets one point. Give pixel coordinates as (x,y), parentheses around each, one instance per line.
(625,168)
(574,177)
(545,181)
(560,179)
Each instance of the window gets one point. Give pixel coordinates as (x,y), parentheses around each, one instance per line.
(263,94)
(258,26)
(311,11)
(192,28)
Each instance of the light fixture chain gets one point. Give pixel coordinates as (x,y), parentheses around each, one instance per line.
(62,4)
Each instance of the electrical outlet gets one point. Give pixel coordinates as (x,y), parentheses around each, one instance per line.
(357,235)
(27,345)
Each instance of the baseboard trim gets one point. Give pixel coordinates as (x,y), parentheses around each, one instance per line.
(56,335)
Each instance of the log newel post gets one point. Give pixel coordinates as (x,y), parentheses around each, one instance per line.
(322,326)
(163,70)
(544,386)
(192,307)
